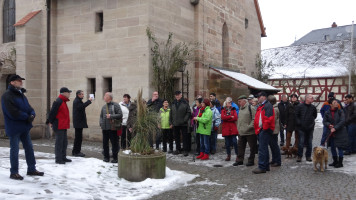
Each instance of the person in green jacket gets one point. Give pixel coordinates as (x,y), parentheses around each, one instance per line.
(205,119)
(166,128)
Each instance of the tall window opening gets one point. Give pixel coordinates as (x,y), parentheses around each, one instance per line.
(91,86)
(8,21)
(99,22)
(107,87)
(225,46)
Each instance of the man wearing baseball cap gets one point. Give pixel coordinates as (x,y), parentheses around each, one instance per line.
(19,115)
(264,124)
(59,120)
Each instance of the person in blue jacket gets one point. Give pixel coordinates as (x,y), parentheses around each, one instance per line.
(19,116)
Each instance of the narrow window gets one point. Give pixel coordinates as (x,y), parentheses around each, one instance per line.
(99,22)
(107,87)
(8,21)
(246,23)
(91,86)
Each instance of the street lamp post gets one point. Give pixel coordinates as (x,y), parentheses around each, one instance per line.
(182,69)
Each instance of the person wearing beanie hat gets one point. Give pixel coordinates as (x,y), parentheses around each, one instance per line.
(205,118)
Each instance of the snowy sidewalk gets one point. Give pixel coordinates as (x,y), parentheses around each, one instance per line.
(84,178)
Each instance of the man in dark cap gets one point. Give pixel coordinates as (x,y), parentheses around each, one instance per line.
(179,119)
(19,116)
(264,124)
(59,120)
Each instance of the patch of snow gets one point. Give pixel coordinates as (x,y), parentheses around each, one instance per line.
(319,121)
(84,178)
(349,165)
(271,199)
(207,182)
(127,152)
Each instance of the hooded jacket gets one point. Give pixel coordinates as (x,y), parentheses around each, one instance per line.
(205,121)
(338,121)
(264,118)
(180,113)
(229,126)
(59,114)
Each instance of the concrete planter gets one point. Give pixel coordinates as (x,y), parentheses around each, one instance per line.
(137,168)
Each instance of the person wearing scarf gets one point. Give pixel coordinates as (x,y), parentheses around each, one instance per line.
(334,120)
(205,119)
(229,127)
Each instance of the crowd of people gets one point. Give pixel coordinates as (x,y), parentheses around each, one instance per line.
(256,120)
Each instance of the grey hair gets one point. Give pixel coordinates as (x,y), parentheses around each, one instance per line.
(228,99)
(308,95)
(110,95)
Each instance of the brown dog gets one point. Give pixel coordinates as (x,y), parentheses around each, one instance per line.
(287,151)
(320,155)
(294,151)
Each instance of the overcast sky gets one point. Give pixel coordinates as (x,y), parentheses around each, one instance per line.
(287,20)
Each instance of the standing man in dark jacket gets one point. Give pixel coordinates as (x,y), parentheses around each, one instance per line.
(291,122)
(111,110)
(282,107)
(19,115)
(79,122)
(264,124)
(59,120)
(155,104)
(179,119)
(350,122)
(305,117)
(213,98)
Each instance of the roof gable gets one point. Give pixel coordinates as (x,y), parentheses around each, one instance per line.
(27,18)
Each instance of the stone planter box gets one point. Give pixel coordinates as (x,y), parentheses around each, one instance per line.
(137,168)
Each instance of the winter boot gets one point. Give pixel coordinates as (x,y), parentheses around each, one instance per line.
(205,157)
(200,155)
(339,163)
(334,161)
(228,158)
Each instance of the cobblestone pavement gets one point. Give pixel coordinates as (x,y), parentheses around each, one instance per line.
(290,181)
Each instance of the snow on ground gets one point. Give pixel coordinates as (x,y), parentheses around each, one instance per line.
(349,165)
(84,178)
(319,121)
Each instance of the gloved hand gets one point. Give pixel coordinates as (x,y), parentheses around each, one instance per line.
(30,118)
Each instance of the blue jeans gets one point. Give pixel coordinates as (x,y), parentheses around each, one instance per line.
(205,143)
(333,148)
(308,137)
(281,133)
(25,138)
(263,152)
(324,136)
(213,138)
(351,130)
(230,141)
(276,153)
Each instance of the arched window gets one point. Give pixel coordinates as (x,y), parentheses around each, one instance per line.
(225,46)
(8,21)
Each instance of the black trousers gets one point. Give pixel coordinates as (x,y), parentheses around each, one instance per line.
(167,136)
(186,138)
(241,145)
(125,133)
(114,139)
(77,146)
(60,148)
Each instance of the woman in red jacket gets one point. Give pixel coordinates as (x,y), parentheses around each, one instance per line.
(229,127)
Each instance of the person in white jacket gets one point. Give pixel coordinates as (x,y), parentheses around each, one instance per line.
(126,135)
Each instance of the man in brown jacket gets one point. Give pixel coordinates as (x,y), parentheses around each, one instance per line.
(246,132)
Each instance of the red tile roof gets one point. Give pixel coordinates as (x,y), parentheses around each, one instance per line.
(27,18)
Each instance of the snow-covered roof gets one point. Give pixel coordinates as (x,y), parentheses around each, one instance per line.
(323,59)
(245,79)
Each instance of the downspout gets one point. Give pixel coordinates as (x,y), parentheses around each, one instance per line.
(48,5)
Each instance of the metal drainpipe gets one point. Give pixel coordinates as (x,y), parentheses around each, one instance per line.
(48,5)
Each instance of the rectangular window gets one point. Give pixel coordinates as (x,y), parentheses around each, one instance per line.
(91,86)
(107,87)
(99,22)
